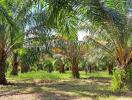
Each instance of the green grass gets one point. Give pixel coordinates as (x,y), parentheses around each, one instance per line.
(43,75)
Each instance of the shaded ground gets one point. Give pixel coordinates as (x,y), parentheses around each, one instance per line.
(92,88)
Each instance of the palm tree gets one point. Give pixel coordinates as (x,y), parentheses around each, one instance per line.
(10,20)
(116,25)
(119,32)
(72,50)
(60,60)
(61,19)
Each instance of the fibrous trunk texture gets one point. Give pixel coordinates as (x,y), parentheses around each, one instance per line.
(15,65)
(2,67)
(75,71)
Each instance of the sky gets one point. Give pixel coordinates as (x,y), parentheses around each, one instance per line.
(81,35)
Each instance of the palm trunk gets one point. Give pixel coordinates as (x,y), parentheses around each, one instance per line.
(122,66)
(2,74)
(2,68)
(75,71)
(62,69)
(90,69)
(49,69)
(110,69)
(25,68)
(86,70)
(15,65)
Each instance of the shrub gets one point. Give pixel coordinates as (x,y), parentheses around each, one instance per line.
(129,77)
(118,79)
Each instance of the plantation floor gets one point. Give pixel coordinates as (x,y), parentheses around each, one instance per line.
(91,88)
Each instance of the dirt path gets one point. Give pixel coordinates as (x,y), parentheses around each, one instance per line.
(33,96)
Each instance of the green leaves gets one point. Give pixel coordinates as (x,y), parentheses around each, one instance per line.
(115,23)
(118,5)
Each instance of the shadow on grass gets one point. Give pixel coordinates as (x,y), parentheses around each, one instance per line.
(88,89)
(99,79)
(97,87)
(91,87)
(35,90)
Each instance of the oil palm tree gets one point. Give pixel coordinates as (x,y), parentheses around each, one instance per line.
(11,18)
(118,30)
(114,19)
(72,50)
(60,18)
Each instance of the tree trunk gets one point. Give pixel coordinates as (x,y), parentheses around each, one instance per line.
(15,65)
(2,74)
(62,68)
(25,68)
(90,69)
(75,71)
(2,68)
(86,70)
(49,69)
(110,69)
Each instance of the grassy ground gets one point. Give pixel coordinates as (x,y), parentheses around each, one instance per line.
(54,86)
(55,75)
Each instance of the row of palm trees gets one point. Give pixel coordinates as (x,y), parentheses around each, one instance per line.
(64,16)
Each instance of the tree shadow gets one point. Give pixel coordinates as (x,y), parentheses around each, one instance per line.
(99,79)
(15,88)
(91,87)
(97,87)
(37,89)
